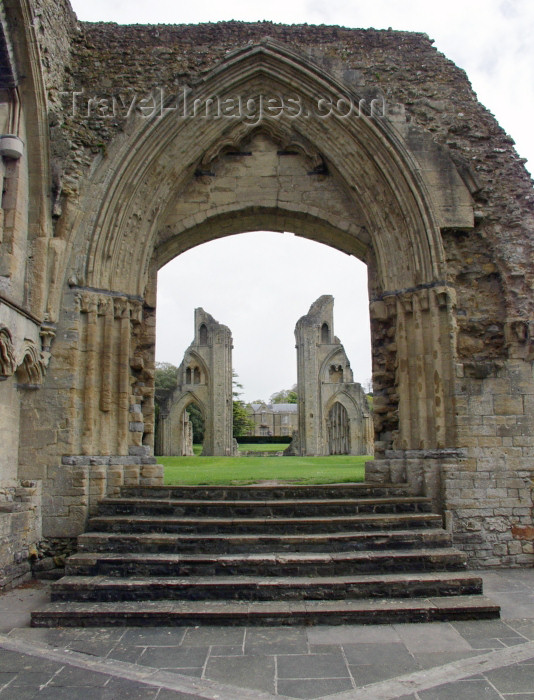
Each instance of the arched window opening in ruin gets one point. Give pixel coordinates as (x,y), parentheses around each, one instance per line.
(188,376)
(196,375)
(338,427)
(196,419)
(262,312)
(95,210)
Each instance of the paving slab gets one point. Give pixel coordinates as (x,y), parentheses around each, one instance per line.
(205,636)
(366,674)
(307,666)
(464,690)
(518,678)
(69,676)
(524,627)
(439,658)
(153,636)
(226,650)
(126,652)
(386,654)
(435,636)
(257,672)
(174,657)
(353,634)
(276,641)
(315,688)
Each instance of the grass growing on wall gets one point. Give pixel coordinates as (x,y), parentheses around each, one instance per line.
(250,470)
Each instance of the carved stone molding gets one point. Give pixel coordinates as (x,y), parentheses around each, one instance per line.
(8,362)
(31,370)
(280,134)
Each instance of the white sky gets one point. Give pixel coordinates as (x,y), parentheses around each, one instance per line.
(259,284)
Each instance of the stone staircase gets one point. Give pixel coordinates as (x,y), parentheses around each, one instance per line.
(333,554)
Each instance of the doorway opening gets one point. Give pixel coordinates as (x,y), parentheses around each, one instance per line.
(259,284)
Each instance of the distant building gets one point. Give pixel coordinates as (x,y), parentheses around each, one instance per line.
(276,419)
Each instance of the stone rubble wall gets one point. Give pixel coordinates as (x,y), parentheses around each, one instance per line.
(75,487)
(20,530)
(489,496)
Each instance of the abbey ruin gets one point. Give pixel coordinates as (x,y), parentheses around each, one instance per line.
(123,146)
(204,378)
(334,417)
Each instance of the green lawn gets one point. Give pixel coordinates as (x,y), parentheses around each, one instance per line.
(250,470)
(263,447)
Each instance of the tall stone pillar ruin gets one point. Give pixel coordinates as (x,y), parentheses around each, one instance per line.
(204,378)
(334,415)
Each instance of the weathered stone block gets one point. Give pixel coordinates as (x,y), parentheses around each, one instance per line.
(508,405)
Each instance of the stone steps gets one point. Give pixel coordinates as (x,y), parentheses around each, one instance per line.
(242,543)
(264,492)
(264,555)
(221,525)
(253,588)
(299,612)
(263,508)
(267,564)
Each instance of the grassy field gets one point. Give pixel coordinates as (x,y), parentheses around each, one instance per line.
(251,470)
(263,447)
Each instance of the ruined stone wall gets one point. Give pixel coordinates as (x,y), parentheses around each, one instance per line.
(404,67)
(23,348)
(324,379)
(452,333)
(205,378)
(20,530)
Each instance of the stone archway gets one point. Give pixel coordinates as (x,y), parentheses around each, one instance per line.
(338,430)
(176,437)
(355,185)
(429,193)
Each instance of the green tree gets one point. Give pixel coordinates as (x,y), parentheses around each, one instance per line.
(196,418)
(242,423)
(165,380)
(285,396)
(165,376)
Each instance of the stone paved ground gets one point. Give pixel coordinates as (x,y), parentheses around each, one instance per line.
(486,660)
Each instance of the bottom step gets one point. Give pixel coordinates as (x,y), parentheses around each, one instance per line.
(309,612)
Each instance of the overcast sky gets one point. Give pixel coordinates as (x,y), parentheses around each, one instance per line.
(259,284)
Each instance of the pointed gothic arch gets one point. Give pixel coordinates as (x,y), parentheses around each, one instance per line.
(381,166)
(345,167)
(175,432)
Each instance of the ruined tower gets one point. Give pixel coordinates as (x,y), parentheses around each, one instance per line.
(204,378)
(334,416)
